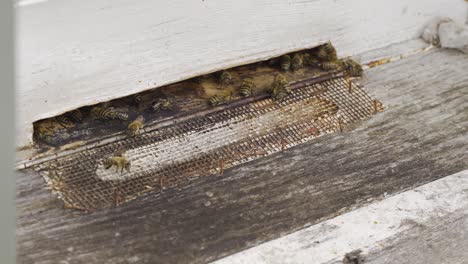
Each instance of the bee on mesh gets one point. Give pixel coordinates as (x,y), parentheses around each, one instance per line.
(280,87)
(119,161)
(327,52)
(352,67)
(330,66)
(161,104)
(247,87)
(136,125)
(108,113)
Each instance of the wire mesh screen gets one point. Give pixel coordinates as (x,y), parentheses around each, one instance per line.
(207,145)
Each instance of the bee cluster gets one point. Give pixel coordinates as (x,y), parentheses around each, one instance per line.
(47,130)
(270,77)
(323,57)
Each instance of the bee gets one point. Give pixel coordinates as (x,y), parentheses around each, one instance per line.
(309,60)
(161,104)
(120,162)
(247,87)
(280,88)
(45,134)
(352,67)
(225,78)
(329,66)
(75,115)
(285,62)
(135,126)
(63,121)
(327,52)
(216,100)
(297,62)
(108,114)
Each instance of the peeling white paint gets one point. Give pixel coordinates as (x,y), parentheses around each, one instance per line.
(75,53)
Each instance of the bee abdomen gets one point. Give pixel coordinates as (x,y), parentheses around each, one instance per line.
(330,66)
(247,87)
(119,115)
(217,100)
(104,113)
(76,115)
(63,120)
(327,52)
(285,62)
(101,113)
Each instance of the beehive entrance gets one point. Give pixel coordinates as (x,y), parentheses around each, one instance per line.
(207,145)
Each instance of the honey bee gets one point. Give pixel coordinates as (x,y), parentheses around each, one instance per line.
(327,52)
(108,114)
(76,115)
(135,126)
(309,60)
(120,163)
(45,134)
(329,66)
(63,121)
(285,62)
(352,67)
(280,87)
(247,87)
(297,62)
(216,100)
(161,104)
(225,78)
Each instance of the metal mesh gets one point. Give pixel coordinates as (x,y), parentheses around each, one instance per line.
(207,145)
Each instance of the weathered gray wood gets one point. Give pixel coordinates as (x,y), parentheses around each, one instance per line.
(421,225)
(420,137)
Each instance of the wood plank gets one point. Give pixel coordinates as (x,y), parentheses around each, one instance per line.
(76,53)
(421,137)
(422,225)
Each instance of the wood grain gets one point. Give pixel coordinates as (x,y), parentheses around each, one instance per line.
(420,137)
(76,53)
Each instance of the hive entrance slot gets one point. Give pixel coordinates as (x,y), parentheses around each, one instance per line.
(203,126)
(91,123)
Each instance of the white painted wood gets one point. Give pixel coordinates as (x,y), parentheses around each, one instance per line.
(380,225)
(72,53)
